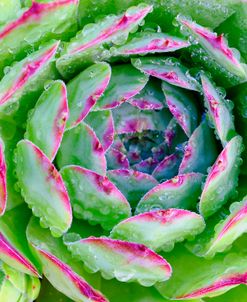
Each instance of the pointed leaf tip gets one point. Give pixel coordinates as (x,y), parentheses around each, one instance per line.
(66,280)
(216,47)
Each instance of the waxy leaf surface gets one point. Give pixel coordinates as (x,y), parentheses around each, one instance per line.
(46,124)
(126,261)
(94,197)
(42,188)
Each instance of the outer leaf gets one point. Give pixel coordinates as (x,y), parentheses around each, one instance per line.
(88,45)
(167,69)
(210,13)
(87,150)
(54,257)
(28,286)
(42,188)
(9,10)
(219,111)
(20,88)
(10,135)
(167,168)
(103,125)
(150,97)
(222,178)
(84,91)
(41,22)
(94,197)
(194,277)
(197,155)
(128,119)
(132,184)
(46,124)
(182,107)
(228,230)
(9,292)
(13,243)
(69,282)
(216,48)
(236,23)
(182,191)
(25,80)
(125,83)
(150,42)
(126,261)
(3,179)
(159,230)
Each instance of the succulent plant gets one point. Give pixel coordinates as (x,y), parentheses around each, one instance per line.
(122,161)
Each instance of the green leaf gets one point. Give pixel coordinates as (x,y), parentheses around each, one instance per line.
(229,229)
(14,248)
(87,150)
(103,125)
(63,272)
(159,230)
(24,82)
(41,22)
(3,179)
(214,53)
(219,111)
(126,261)
(182,191)
(85,90)
(9,10)
(150,97)
(235,27)
(94,197)
(168,167)
(222,179)
(88,45)
(46,124)
(194,277)
(42,188)
(167,69)
(125,83)
(182,106)
(28,286)
(129,119)
(210,13)
(197,156)
(150,42)
(133,184)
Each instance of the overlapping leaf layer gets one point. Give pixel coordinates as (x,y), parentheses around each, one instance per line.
(122,160)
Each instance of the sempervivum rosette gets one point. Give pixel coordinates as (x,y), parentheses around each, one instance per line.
(121,175)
